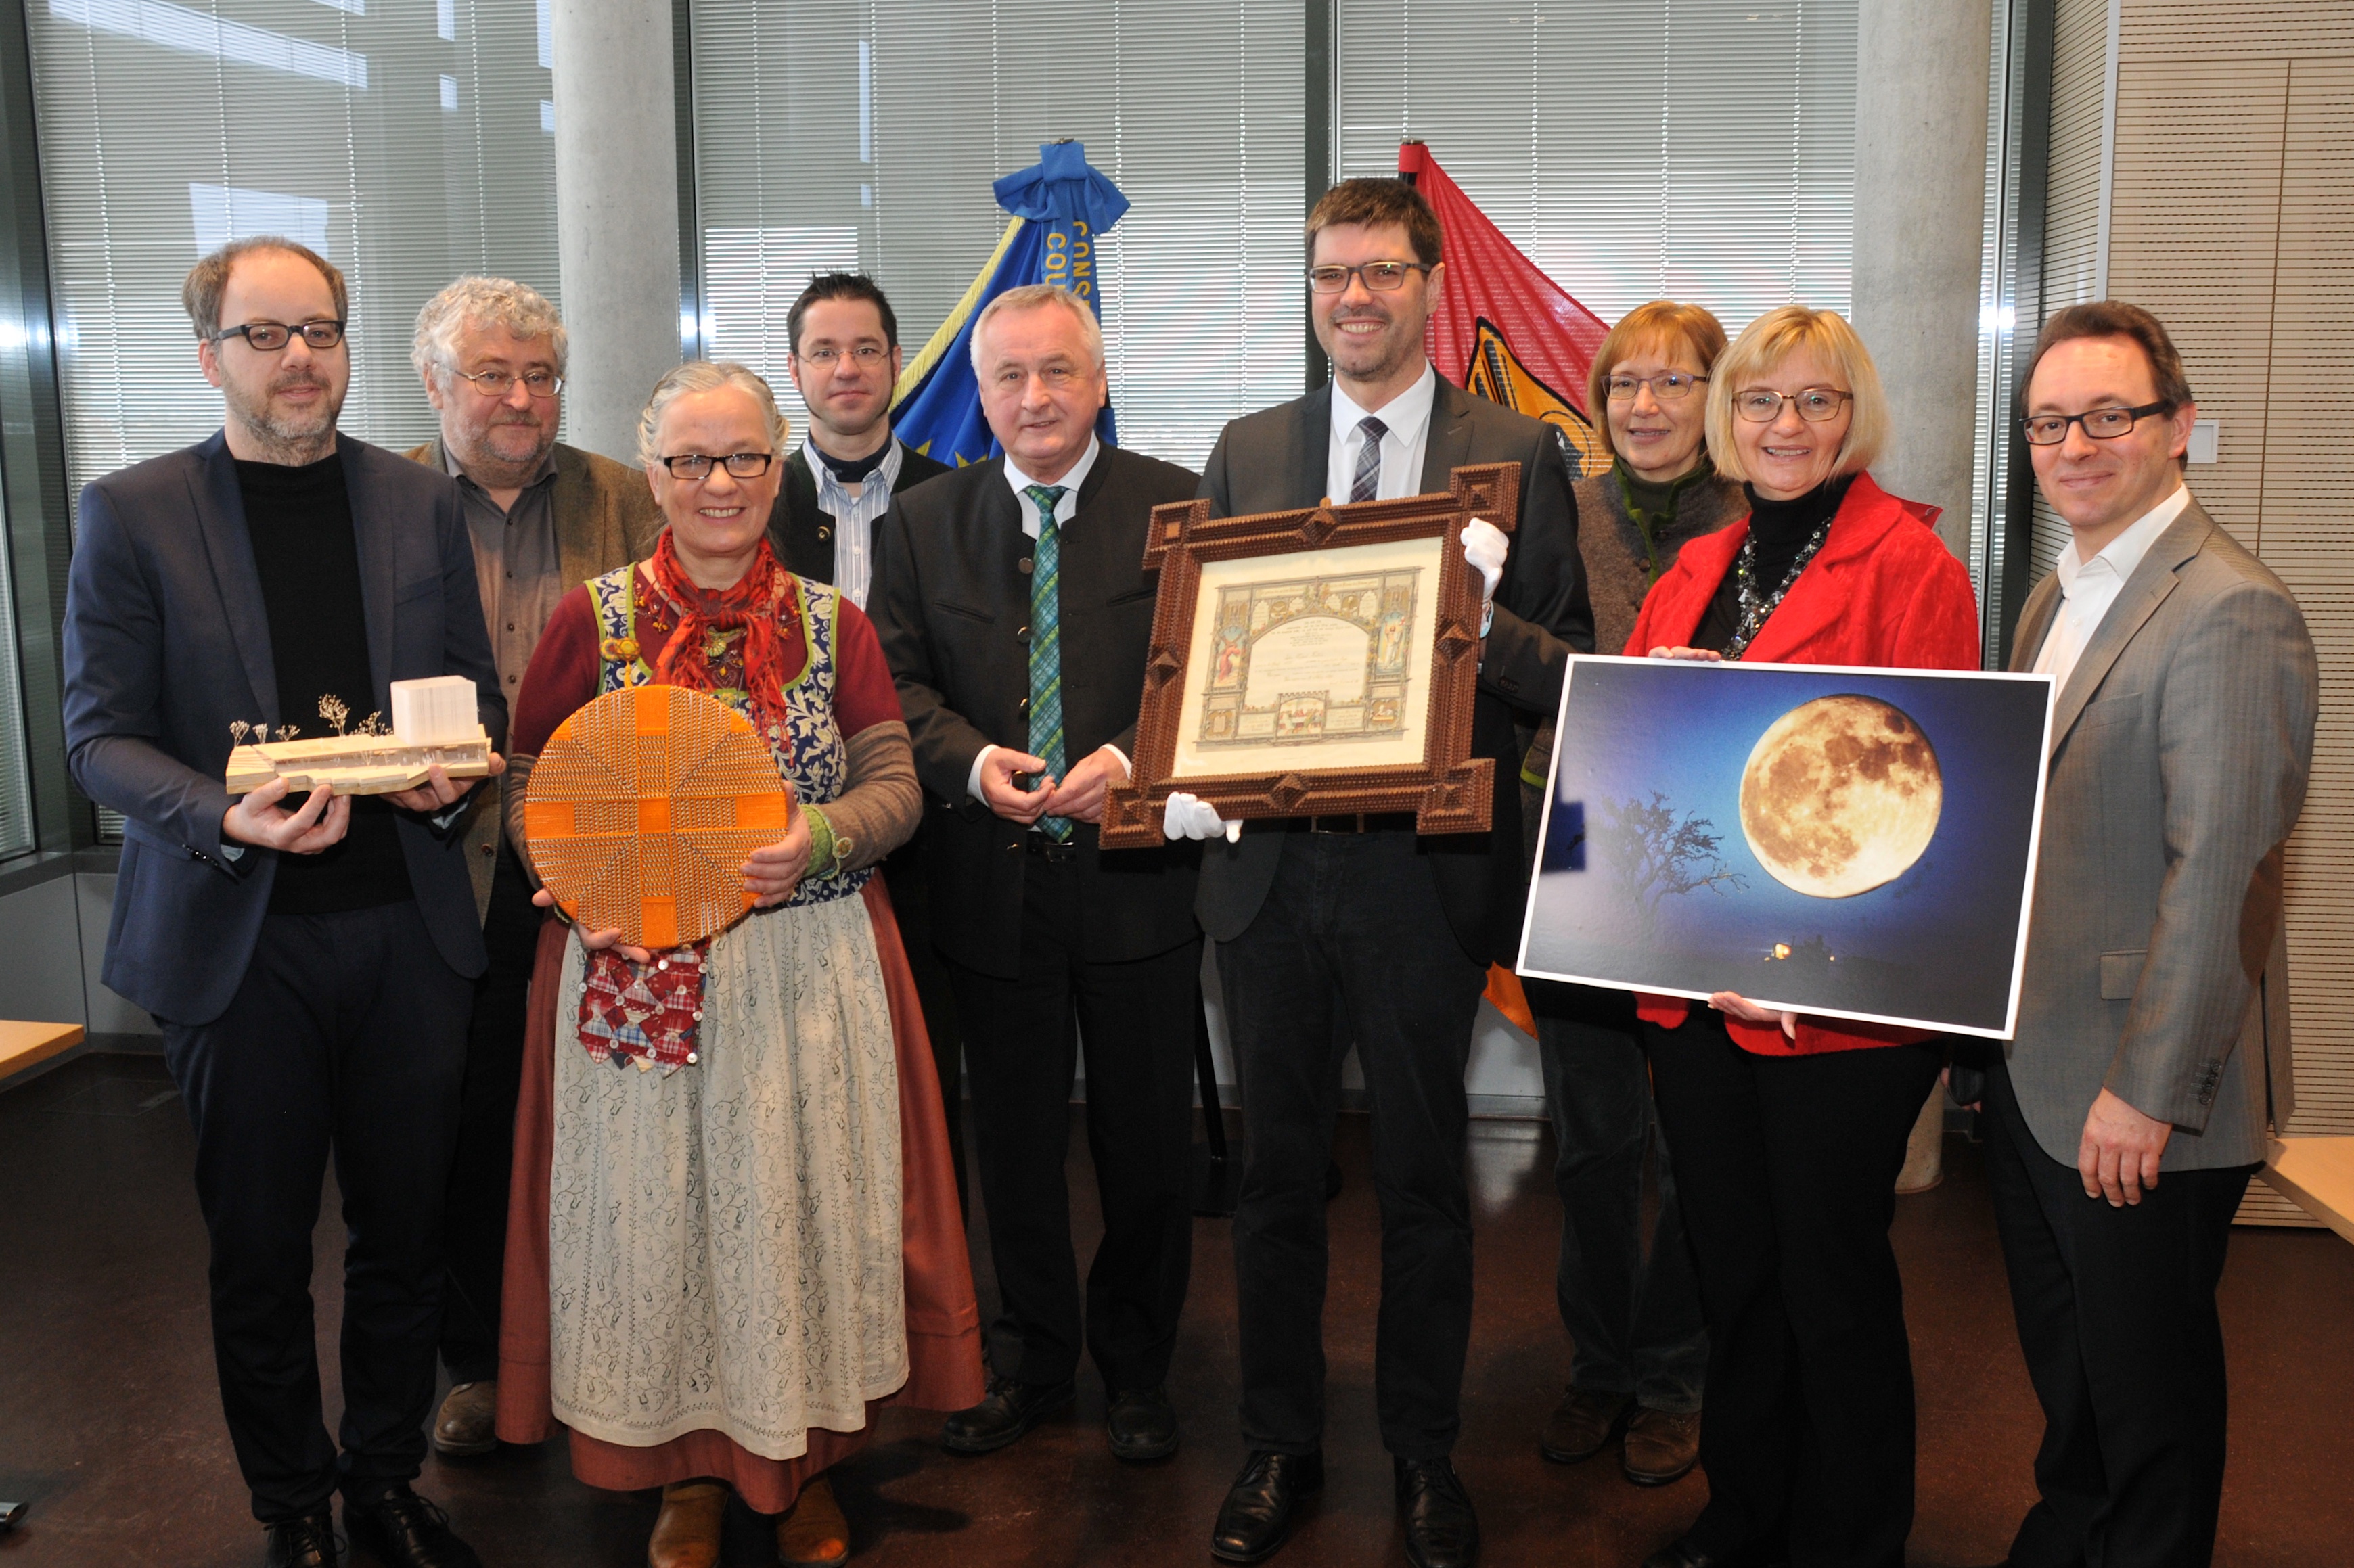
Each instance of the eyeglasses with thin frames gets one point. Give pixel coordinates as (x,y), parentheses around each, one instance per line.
(866,356)
(1816,405)
(1380,277)
(2098,424)
(1673,388)
(497,384)
(269,337)
(739,465)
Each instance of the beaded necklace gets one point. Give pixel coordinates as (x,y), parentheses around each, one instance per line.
(1754,608)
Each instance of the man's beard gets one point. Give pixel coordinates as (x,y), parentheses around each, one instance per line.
(493,470)
(293,433)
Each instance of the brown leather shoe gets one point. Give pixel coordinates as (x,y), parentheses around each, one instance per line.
(1661,1445)
(468,1423)
(687,1531)
(1583,1423)
(815,1534)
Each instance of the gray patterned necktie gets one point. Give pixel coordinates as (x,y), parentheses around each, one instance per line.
(1365,485)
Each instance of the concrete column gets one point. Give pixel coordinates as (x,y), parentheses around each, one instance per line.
(1920,221)
(615,212)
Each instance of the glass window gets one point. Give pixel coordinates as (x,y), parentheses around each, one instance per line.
(867,135)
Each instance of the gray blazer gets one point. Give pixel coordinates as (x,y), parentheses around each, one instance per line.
(1276,460)
(167,641)
(2157,959)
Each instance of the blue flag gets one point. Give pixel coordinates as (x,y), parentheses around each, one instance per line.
(1060,206)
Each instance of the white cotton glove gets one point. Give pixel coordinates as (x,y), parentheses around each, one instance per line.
(1188,817)
(1483,551)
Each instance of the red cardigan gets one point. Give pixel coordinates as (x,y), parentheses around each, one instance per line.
(1882,590)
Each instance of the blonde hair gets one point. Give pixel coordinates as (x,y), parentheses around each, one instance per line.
(1030,296)
(704,375)
(1774,337)
(1663,322)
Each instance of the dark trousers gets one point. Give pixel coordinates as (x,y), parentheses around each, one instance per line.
(474,1224)
(1353,923)
(2116,1315)
(1786,1170)
(903,873)
(1633,1315)
(1135,1020)
(346,1038)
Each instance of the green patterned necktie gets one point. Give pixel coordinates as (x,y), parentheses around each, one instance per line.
(1046,647)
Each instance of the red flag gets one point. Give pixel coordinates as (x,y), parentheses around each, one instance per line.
(1502,328)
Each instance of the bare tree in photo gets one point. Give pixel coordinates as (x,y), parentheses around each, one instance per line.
(1655,850)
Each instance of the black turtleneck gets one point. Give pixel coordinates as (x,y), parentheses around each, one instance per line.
(1781,529)
(308,558)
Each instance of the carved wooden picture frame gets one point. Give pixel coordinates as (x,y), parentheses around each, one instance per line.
(1250,607)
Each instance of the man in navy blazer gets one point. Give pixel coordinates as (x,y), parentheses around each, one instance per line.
(311,967)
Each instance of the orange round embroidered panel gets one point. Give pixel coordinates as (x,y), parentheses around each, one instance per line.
(642,809)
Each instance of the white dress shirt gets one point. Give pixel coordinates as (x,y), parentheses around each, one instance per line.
(2089,589)
(1065,510)
(854,517)
(1407,415)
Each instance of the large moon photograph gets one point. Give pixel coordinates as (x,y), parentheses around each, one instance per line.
(1841,795)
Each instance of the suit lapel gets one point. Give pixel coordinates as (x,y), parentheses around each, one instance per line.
(1448,444)
(220,518)
(2143,592)
(379,554)
(1312,438)
(2034,624)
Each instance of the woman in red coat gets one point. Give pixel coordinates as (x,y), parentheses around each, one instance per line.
(1788,1130)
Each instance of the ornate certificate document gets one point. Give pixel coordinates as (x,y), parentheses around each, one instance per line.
(1315,659)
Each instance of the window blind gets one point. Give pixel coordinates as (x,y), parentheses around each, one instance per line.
(1635,149)
(866,136)
(403,142)
(400,141)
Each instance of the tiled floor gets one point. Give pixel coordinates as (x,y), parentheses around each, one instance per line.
(109,1425)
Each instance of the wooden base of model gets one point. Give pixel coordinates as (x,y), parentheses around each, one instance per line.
(354,764)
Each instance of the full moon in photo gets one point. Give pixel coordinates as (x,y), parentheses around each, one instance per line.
(1840,796)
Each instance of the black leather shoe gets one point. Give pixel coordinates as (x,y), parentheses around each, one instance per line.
(1435,1512)
(308,1542)
(404,1531)
(1684,1554)
(1142,1424)
(1010,1410)
(1257,1513)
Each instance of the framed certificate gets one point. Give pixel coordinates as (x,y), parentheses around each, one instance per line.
(1315,662)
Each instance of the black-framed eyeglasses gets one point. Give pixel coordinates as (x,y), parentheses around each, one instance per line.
(1673,388)
(269,337)
(541,384)
(866,356)
(739,465)
(2099,424)
(1380,277)
(1816,405)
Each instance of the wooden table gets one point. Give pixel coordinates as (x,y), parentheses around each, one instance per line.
(2319,1173)
(24,1045)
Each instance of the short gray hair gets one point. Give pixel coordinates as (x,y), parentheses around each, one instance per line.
(1030,296)
(483,302)
(704,376)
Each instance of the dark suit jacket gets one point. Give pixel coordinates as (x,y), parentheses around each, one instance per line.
(802,535)
(605,517)
(951,605)
(167,642)
(1276,461)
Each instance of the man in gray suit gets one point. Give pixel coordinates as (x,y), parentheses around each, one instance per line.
(2153,1043)
(1363,920)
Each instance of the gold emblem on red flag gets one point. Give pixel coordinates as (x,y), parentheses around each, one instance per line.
(1499,374)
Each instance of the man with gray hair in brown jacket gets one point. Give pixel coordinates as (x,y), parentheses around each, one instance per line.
(543,516)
